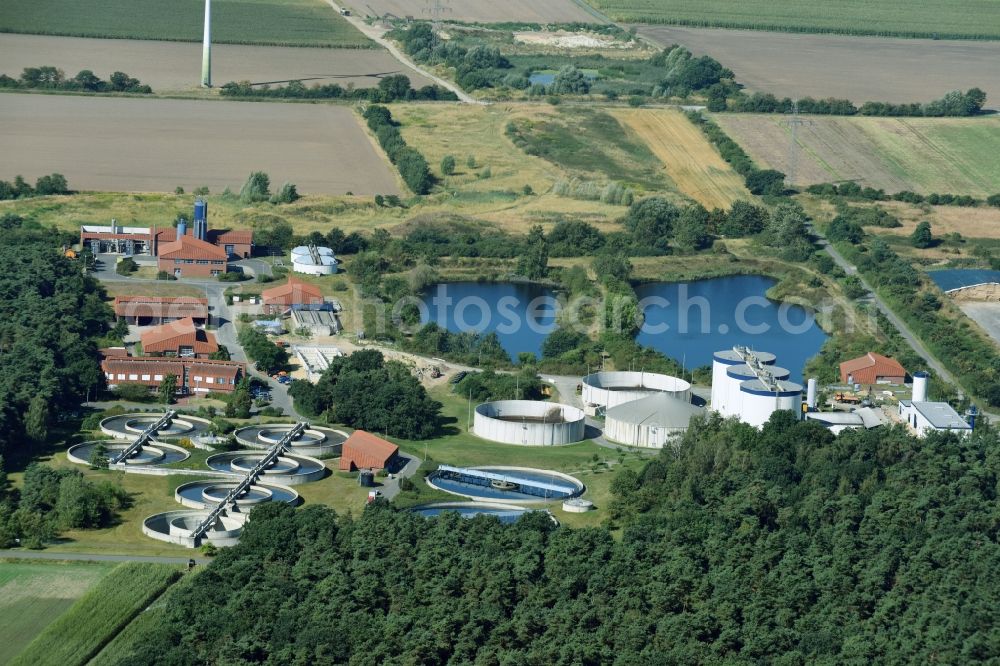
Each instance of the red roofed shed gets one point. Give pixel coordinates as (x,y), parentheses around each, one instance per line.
(363,450)
(179,338)
(295,292)
(872,368)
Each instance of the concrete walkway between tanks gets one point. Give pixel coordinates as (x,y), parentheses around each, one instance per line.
(376,35)
(89,557)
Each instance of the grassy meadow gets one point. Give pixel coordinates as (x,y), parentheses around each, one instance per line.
(34,594)
(960,19)
(273,22)
(89,624)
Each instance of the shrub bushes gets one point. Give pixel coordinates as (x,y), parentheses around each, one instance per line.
(411,164)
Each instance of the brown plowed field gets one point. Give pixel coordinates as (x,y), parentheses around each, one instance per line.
(155,145)
(689,159)
(861,69)
(479,11)
(173,66)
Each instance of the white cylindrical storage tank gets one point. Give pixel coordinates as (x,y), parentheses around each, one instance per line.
(313,260)
(760,400)
(609,389)
(811,387)
(651,422)
(920,386)
(721,361)
(529,422)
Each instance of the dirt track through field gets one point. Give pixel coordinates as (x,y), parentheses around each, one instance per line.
(174,66)
(861,69)
(689,159)
(155,145)
(481,11)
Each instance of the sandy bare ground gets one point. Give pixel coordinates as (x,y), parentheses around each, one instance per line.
(173,66)
(857,68)
(155,145)
(987,315)
(482,11)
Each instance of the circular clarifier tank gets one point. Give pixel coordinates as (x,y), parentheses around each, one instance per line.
(506,513)
(156,453)
(289,469)
(206,494)
(506,484)
(313,441)
(179,526)
(130,426)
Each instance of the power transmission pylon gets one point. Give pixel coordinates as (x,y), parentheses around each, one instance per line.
(793,149)
(436,8)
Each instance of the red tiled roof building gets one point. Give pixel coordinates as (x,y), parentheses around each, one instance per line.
(193,375)
(872,368)
(363,450)
(179,338)
(190,257)
(146,310)
(295,292)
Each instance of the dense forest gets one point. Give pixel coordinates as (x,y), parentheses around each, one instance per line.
(50,314)
(784,546)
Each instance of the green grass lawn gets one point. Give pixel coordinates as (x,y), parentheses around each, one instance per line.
(458,447)
(89,624)
(277,22)
(34,594)
(905,18)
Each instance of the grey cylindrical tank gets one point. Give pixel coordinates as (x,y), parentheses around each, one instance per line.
(811,393)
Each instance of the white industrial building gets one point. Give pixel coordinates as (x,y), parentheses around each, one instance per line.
(529,423)
(313,260)
(601,390)
(650,422)
(837,422)
(924,416)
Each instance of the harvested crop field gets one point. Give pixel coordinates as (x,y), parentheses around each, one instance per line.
(691,162)
(33,594)
(861,69)
(155,145)
(945,155)
(906,18)
(175,66)
(277,22)
(481,11)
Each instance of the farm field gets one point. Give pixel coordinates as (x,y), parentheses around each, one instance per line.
(906,18)
(129,145)
(691,162)
(908,70)
(945,155)
(90,623)
(34,594)
(481,11)
(175,66)
(277,22)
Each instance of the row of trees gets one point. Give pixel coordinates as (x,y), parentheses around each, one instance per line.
(19,188)
(784,545)
(851,190)
(53,78)
(955,103)
(365,391)
(411,164)
(758,181)
(393,88)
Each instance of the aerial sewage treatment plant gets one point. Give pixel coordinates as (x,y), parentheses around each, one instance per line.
(218,507)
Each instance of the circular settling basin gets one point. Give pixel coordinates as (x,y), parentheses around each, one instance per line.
(506,514)
(241,462)
(150,454)
(132,425)
(202,494)
(169,524)
(313,441)
(513,486)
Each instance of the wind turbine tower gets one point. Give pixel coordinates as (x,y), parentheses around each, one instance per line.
(206,49)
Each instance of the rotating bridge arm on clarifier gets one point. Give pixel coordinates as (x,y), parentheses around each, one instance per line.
(247,481)
(493,476)
(143,438)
